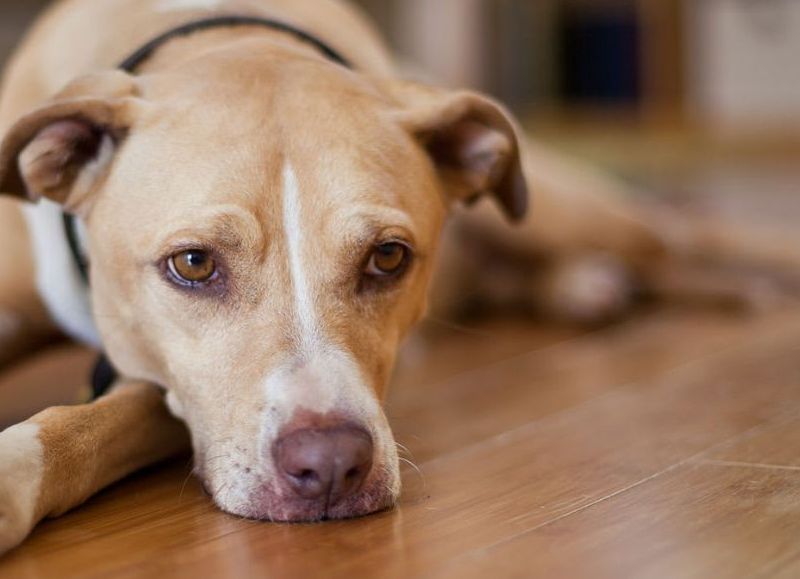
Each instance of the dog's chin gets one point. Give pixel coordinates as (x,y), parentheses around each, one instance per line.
(272,503)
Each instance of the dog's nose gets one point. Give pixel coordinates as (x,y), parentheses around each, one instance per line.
(325,462)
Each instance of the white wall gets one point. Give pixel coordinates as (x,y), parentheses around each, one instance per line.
(744,62)
(445,37)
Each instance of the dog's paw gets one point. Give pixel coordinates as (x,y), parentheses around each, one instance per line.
(722,285)
(587,289)
(13,529)
(20,483)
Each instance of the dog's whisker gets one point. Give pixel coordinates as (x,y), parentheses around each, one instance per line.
(404,451)
(416,468)
(185,482)
(405,454)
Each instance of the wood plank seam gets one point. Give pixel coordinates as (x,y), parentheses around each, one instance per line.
(744,346)
(739,464)
(485,550)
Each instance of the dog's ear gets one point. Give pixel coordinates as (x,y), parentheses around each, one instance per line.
(64,149)
(472,140)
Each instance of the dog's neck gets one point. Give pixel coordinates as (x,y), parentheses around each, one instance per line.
(196,37)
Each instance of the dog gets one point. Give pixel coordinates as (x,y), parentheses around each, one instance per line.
(256,200)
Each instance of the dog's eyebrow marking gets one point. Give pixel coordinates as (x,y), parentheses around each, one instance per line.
(305,309)
(175,5)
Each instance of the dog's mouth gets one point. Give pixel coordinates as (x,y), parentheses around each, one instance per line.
(316,467)
(328,481)
(271,502)
(373,498)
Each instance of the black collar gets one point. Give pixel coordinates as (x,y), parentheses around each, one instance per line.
(136,59)
(104,374)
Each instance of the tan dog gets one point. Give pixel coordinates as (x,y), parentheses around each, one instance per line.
(262,225)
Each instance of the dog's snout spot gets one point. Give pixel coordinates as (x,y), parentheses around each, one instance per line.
(325,463)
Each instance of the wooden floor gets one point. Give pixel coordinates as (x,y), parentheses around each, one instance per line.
(668,446)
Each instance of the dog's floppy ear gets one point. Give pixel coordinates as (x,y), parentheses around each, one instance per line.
(62,150)
(472,141)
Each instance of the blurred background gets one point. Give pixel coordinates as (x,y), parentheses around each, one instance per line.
(697,98)
(729,63)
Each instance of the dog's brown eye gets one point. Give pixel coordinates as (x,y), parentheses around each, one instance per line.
(387,259)
(193,266)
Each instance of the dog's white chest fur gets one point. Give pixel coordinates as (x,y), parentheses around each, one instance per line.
(58,278)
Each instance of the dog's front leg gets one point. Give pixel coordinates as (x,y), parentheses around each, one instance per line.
(59,458)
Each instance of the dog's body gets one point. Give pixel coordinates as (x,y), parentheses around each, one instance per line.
(314,195)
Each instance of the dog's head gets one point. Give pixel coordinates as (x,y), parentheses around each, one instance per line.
(262,230)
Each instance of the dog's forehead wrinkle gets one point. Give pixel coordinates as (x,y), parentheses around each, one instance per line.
(229,223)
